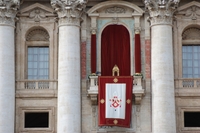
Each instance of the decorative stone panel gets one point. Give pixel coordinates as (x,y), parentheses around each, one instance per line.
(191,34)
(37,35)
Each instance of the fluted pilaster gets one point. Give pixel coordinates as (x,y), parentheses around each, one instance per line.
(162,68)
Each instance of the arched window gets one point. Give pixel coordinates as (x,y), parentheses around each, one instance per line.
(191,53)
(37,42)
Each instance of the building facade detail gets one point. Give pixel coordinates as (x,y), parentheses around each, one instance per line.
(69,95)
(8,12)
(193,12)
(191,34)
(163,97)
(37,14)
(70,11)
(115,9)
(161,12)
(37,35)
(51,57)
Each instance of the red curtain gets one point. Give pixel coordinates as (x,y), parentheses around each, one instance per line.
(102,80)
(115,50)
(137,54)
(93,53)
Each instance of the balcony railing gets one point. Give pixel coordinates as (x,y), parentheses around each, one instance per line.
(36,84)
(138,91)
(187,83)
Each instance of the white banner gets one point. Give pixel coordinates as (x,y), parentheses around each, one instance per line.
(115,100)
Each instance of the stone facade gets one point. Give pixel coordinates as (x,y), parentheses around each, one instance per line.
(70,94)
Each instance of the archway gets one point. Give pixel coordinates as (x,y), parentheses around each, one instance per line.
(115,50)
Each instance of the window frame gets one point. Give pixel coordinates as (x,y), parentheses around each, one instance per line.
(36,44)
(185,43)
(190,44)
(36,109)
(181,120)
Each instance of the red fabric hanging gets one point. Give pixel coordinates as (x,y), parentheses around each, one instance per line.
(103,121)
(115,50)
(137,54)
(93,53)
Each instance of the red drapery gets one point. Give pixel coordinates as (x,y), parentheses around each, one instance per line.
(115,50)
(137,54)
(93,53)
(101,100)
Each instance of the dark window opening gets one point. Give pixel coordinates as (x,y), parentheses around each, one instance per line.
(191,119)
(36,120)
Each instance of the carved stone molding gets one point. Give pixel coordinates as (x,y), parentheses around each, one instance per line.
(93,30)
(8,11)
(138,91)
(69,11)
(93,89)
(193,13)
(190,11)
(191,34)
(37,14)
(115,9)
(137,30)
(161,11)
(37,35)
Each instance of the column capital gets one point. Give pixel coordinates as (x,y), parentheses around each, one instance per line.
(161,11)
(69,11)
(8,11)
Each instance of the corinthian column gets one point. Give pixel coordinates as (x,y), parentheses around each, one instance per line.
(162,71)
(69,88)
(7,65)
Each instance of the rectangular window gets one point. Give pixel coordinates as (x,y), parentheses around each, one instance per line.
(38,62)
(36,120)
(191,119)
(191,61)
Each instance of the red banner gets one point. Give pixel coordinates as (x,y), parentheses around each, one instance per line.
(103,80)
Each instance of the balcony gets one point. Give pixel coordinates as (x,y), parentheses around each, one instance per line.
(36,88)
(187,87)
(138,91)
(187,83)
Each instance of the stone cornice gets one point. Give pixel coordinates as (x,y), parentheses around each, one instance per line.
(8,11)
(69,11)
(161,11)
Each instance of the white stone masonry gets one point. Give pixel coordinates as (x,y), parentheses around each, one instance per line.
(69,73)
(7,66)
(162,71)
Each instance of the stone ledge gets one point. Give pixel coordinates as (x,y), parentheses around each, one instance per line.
(36,93)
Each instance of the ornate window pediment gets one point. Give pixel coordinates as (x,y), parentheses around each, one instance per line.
(190,11)
(37,12)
